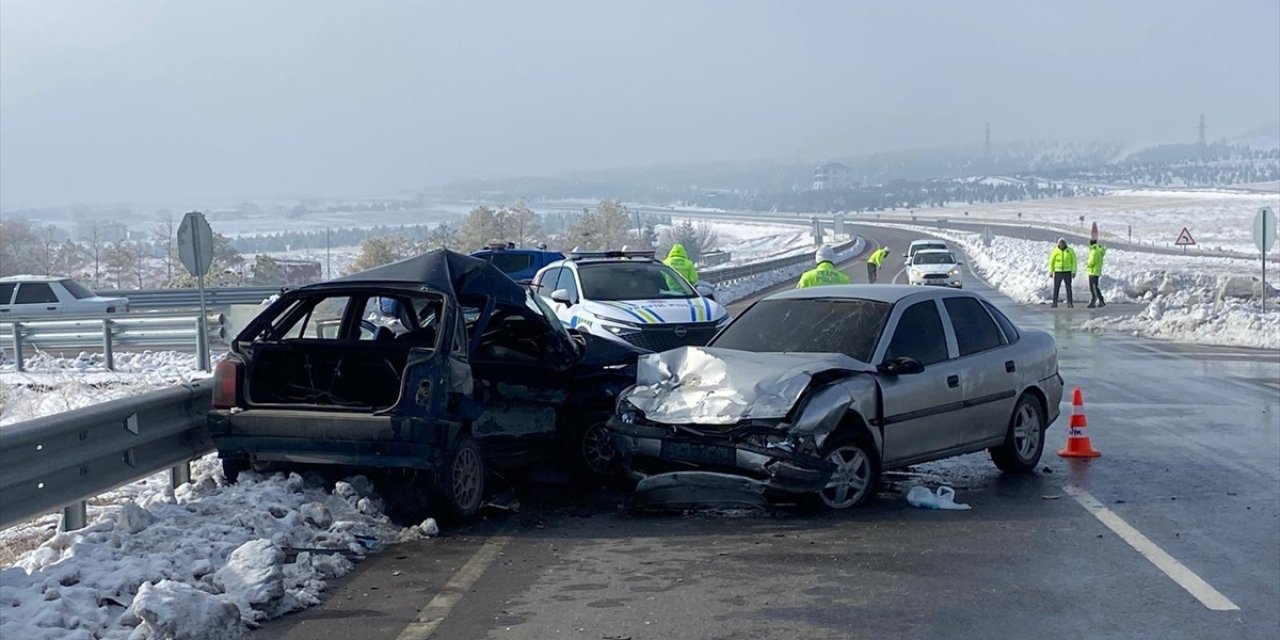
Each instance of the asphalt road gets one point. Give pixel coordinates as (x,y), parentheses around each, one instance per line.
(1173,533)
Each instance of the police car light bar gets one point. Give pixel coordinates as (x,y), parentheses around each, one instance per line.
(586,255)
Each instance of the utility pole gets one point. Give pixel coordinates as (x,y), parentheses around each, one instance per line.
(987,145)
(328,256)
(1203,126)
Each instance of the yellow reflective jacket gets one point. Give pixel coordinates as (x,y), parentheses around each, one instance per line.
(1062,260)
(679,260)
(1093,264)
(878,256)
(824,273)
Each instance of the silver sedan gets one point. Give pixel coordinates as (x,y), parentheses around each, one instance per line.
(814,392)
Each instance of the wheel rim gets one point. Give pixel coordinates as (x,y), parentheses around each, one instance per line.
(597,450)
(850,480)
(467,479)
(1027,432)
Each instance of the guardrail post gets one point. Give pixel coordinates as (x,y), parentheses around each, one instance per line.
(202,342)
(74,516)
(107,336)
(179,474)
(17,346)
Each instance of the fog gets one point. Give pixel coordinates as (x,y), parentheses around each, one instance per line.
(168,101)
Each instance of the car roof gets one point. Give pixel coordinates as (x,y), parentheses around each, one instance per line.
(916,242)
(890,293)
(30,278)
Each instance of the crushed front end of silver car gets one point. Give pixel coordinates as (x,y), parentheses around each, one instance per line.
(761,417)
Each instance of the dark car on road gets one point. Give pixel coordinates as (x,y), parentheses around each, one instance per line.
(439,366)
(519,264)
(813,392)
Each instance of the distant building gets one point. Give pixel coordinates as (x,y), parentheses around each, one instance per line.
(832,175)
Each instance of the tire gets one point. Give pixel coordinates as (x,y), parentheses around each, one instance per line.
(595,459)
(231,468)
(1024,442)
(460,484)
(853,484)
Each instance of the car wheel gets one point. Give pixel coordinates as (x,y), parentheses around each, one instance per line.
(596,456)
(1024,443)
(460,484)
(857,473)
(231,468)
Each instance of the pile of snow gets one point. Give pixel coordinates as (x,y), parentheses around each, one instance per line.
(733,291)
(52,385)
(1198,299)
(204,561)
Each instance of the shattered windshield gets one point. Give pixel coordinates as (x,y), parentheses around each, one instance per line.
(823,325)
(934,257)
(632,281)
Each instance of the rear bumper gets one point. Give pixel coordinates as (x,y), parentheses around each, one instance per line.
(646,450)
(313,437)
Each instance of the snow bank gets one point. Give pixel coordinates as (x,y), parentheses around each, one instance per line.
(731,292)
(204,562)
(1190,298)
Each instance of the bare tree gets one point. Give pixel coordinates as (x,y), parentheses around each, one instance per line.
(697,239)
(608,227)
(18,248)
(376,252)
(164,235)
(480,227)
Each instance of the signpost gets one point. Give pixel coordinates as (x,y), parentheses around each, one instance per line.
(986,236)
(195,250)
(1184,239)
(1264,236)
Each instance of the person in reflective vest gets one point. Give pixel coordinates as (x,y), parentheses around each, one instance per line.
(679,260)
(825,273)
(1093,266)
(873,264)
(1062,268)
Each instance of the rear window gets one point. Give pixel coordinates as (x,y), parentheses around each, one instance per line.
(511,262)
(76,289)
(821,325)
(6,292)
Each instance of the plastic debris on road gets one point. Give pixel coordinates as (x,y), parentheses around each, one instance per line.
(944,499)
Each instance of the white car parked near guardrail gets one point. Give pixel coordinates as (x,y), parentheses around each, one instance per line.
(26,296)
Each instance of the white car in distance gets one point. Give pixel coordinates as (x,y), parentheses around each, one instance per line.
(936,267)
(27,296)
(923,245)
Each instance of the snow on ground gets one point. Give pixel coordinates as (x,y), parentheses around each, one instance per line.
(1205,300)
(728,293)
(1217,219)
(205,561)
(51,385)
(749,242)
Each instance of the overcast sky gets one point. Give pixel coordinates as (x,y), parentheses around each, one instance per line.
(165,101)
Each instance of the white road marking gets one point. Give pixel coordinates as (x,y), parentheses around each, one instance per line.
(439,606)
(1178,572)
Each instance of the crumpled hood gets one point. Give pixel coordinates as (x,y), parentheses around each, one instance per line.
(705,385)
(677,310)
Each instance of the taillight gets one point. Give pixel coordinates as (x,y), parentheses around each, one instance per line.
(226,380)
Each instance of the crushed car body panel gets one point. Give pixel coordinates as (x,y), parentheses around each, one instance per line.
(704,385)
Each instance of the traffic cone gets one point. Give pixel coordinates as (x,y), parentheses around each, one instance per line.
(1078,444)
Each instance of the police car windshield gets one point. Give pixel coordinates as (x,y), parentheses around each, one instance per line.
(632,280)
(934,257)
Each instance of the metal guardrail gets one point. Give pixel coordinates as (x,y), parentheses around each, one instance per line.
(60,461)
(726,275)
(143,330)
(151,299)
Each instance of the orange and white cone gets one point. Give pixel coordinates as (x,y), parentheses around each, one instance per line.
(1078,444)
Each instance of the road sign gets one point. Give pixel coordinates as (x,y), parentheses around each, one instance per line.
(195,244)
(1264,229)
(1184,238)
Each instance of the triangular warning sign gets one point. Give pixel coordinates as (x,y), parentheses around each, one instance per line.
(1184,238)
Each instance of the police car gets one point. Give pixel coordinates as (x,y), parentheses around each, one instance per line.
(631,297)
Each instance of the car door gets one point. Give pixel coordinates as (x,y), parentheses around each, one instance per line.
(36,298)
(989,371)
(921,410)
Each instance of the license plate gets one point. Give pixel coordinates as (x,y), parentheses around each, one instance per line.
(693,452)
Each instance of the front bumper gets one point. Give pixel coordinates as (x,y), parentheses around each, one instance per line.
(315,437)
(647,450)
(955,282)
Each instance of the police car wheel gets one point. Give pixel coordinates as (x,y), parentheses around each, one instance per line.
(596,455)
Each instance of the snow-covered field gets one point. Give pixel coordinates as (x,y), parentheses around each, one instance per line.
(1217,219)
(1189,299)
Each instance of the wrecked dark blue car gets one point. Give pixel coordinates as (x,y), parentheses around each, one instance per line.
(440,366)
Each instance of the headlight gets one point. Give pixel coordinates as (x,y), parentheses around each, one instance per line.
(916,272)
(955,272)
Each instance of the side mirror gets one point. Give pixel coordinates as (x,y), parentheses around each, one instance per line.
(561,296)
(905,255)
(705,290)
(901,366)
